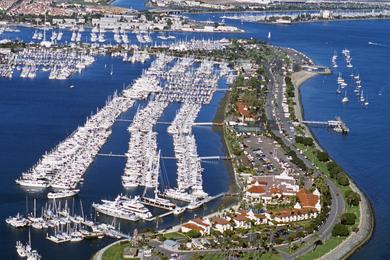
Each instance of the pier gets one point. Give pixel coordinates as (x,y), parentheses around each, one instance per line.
(202,158)
(169,123)
(337,125)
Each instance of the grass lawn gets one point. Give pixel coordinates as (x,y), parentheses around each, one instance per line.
(245,256)
(115,252)
(323,249)
(174,236)
(214,256)
(267,256)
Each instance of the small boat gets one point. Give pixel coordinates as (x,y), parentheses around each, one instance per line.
(178,211)
(71,86)
(62,194)
(345,98)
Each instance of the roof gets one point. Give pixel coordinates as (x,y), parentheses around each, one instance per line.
(193,227)
(220,221)
(243,110)
(307,199)
(275,190)
(170,243)
(260,216)
(240,218)
(199,221)
(289,212)
(256,189)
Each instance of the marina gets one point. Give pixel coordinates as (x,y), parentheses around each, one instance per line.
(275,34)
(64,166)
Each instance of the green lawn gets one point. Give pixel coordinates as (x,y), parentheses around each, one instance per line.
(214,256)
(115,252)
(245,256)
(174,236)
(267,256)
(323,249)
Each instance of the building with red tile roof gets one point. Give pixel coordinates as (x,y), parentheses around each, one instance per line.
(244,112)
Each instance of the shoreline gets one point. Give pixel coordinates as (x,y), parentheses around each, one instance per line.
(320,21)
(355,240)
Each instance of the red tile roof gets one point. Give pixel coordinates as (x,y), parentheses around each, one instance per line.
(243,109)
(220,221)
(241,218)
(193,227)
(199,221)
(256,189)
(307,199)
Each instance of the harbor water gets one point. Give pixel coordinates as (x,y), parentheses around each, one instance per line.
(37,114)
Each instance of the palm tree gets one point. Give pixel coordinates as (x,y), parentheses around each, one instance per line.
(158,219)
(204,209)
(317,243)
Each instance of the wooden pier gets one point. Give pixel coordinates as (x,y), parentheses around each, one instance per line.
(337,125)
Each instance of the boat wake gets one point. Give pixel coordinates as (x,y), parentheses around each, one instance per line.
(379,44)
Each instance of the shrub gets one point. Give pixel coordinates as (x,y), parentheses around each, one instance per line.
(333,169)
(340,230)
(342,179)
(194,234)
(352,198)
(348,219)
(304,140)
(322,156)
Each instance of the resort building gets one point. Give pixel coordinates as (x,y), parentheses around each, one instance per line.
(268,187)
(245,114)
(220,224)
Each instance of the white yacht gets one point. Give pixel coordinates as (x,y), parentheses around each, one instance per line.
(62,194)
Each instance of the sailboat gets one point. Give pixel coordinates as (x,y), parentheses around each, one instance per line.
(338,91)
(362,97)
(269,36)
(158,201)
(366,102)
(345,98)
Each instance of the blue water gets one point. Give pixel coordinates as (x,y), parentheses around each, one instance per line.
(36,115)
(134,4)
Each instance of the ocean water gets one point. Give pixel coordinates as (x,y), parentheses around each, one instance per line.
(134,4)
(37,114)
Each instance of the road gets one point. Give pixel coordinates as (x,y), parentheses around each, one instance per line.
(273,111)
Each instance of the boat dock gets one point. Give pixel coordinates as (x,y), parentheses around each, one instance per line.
(169,123)
(202,158)
(204,201)
(337,125)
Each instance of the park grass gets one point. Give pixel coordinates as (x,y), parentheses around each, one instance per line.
(323,249)
(115,252)
(174,236)
(266,256)
(214,256)
(245,256)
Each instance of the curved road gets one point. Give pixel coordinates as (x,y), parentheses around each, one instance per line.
(338,204)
